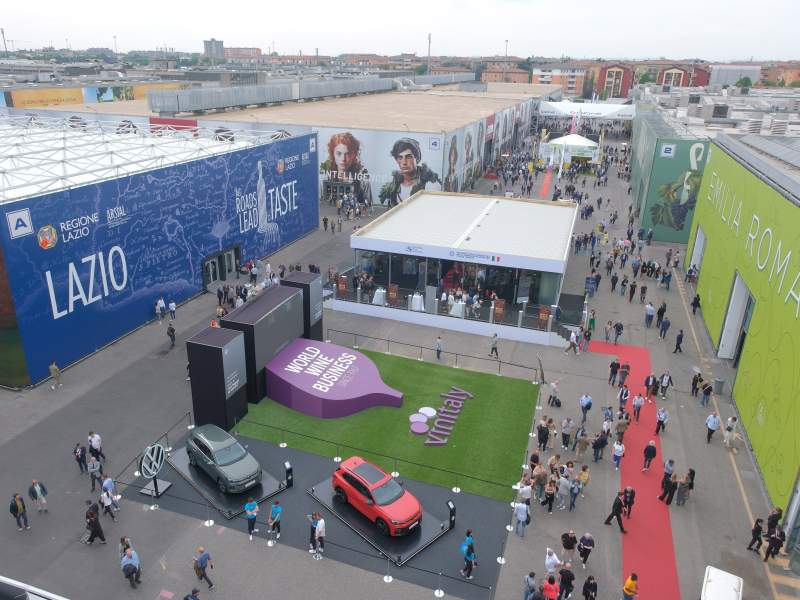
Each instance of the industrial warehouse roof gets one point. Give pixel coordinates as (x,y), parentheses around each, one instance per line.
(527,234)
(39,155)
(430,111)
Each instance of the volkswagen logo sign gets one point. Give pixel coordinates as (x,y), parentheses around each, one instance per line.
(152,460)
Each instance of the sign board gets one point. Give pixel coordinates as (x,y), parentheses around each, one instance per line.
(152,460)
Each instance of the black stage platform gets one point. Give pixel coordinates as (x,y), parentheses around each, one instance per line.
(487,518)
(397,549)
(228,505)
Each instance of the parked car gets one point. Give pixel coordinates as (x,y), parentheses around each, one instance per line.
(376,495)
(223,458)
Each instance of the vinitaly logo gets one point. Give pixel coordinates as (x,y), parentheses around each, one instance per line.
(439,424)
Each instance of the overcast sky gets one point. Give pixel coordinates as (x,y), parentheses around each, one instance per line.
(711,29)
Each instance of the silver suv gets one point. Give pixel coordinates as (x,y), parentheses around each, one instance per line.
(223,459)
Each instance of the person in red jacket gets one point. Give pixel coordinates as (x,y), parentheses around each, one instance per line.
(551,589)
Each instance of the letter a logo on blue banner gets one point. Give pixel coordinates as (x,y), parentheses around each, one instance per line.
(19,223)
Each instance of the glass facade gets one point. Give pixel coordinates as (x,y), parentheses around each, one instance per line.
(463,289)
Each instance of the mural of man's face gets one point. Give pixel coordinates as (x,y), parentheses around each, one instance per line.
(407,163)
(343,157)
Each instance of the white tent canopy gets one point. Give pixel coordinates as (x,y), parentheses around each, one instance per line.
(573,140)
(588,110)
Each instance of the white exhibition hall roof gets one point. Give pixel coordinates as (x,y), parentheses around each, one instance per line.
(506,232)
(40,155)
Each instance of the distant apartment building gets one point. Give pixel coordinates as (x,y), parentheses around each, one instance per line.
(214,49)
(441,70)
(505,74)
(614,80)
(684,76)
(242,53)
(362,60)
(406,61)
(788,72)
(297,60)
(569,76)
(730,74)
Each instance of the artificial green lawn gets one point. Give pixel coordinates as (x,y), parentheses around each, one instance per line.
(488,440)
(13,371)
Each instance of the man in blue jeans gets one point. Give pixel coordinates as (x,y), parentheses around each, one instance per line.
(202,561)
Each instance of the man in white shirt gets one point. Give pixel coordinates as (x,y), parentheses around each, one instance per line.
(96,446)
(573,343)
(712,423)
(730,432)
(521,514)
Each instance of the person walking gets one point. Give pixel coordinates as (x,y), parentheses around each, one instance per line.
(630,588)
(613,369)
(618,453)
(551,561)
(668,489)
(522,515)
(598,445)
(569,542)
(574,491)
(79,452)
(131,567)
(316,540)
(573,343)
(590,588)
(756,534)
(19,511)
(585,547)
(550,589)
(583,478)
(628,499)
(564,488)
(777,538)
(662,310)
(549,495)
(665,381)
(638,402)
(202,562)
(251,512)
(108,486)
(618,329)
(529,587)
(93,524)
(697,381)
(631,291)
(470,561)
(705,393)
(695,303)
(650,452)
(585,341)
(438,347)
(542,434)
(662,416)
(712,424)
(684,489)
(664,327)
(172,308)
(678,342)
(616,512)
(586,406)
(274,521)
(37,492)
(493,350)
(622,398)
(95,470)
(551,400)
(95,443)
(55,375)
(624,371)
(107,502)
(171,334)
(567,427)
(566,581)
(729,434)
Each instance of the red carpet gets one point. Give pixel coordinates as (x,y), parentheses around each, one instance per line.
(647,549)
(543,190)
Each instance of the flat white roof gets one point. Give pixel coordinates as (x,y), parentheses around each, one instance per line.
(507,232)
(40,155)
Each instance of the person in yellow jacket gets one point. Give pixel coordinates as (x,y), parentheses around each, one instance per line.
(631,588)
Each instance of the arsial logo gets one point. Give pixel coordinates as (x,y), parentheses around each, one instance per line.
(438,424)
(281,166)
(47,236)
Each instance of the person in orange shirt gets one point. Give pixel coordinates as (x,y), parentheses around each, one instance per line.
(550,589)
(631,588)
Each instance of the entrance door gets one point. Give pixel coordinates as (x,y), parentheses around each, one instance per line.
(230,261)
(211,270)
(748,315)
(699,249)
(740,305)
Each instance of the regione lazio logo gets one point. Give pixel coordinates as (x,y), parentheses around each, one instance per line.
(280,166)
(48,237)
(312,145)
(327,381)
(19,223)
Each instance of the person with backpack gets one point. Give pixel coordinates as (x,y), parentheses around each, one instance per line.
(79,453)
(194,595)
(618,328)
(171,334)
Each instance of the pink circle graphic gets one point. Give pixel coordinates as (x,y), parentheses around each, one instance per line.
(418,418)
(428,411)
(419,428)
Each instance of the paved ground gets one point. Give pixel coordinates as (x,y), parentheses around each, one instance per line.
(132,391)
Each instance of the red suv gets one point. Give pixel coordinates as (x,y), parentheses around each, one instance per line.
(377,496)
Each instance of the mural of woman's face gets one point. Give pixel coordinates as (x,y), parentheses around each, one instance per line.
(342,157)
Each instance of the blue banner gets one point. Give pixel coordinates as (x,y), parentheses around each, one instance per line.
(86,265)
